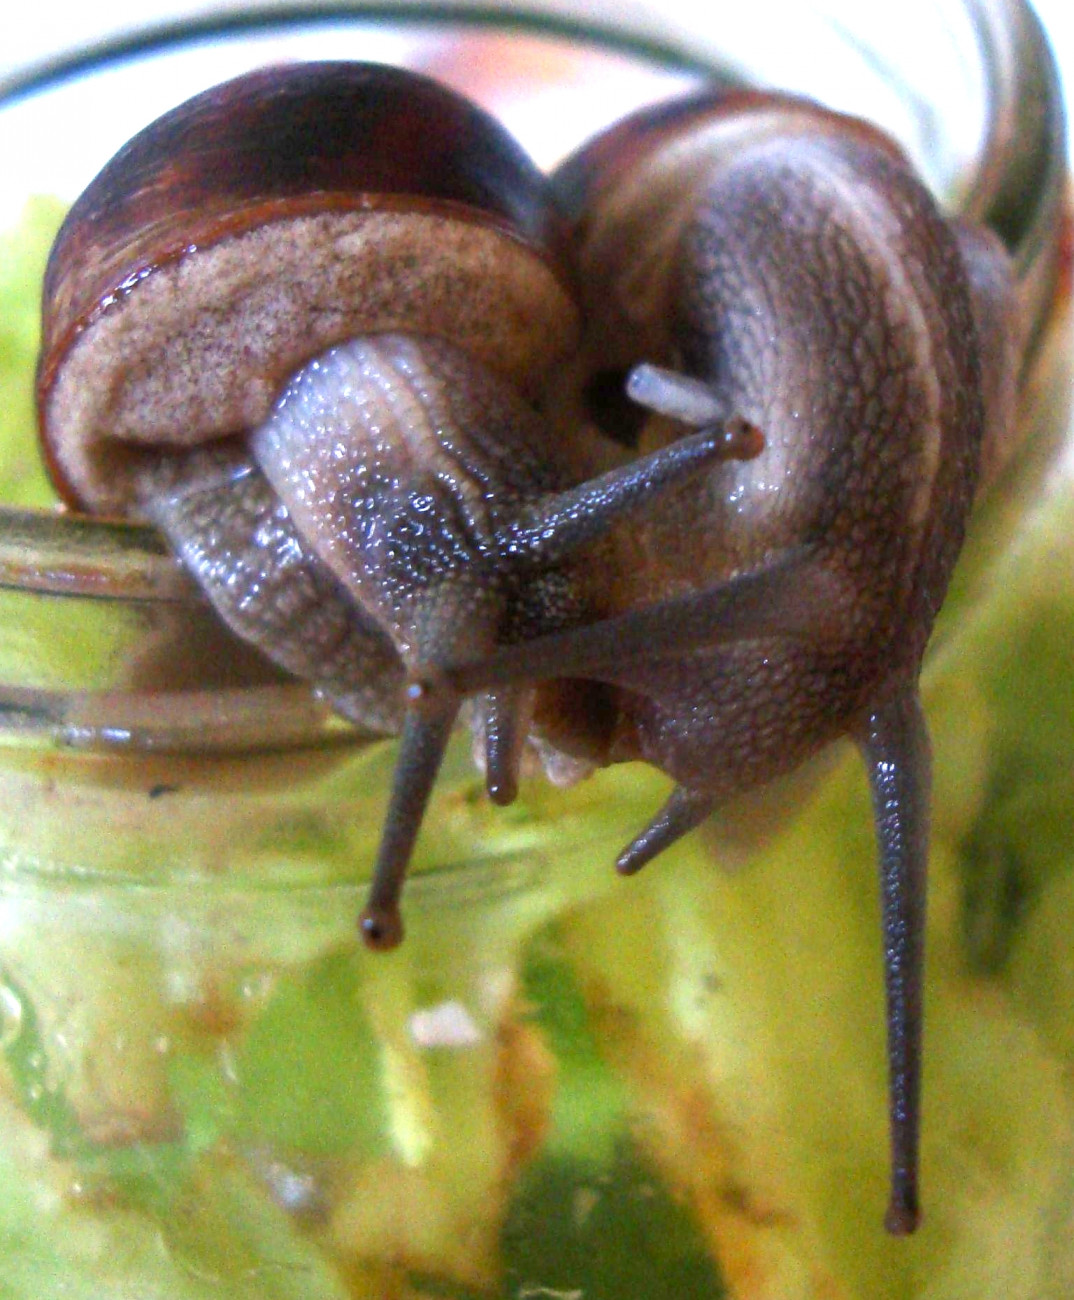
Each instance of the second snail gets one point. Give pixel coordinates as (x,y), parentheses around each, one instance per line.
(353,381)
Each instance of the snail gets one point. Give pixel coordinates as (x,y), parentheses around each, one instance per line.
(757,257)
(301,323)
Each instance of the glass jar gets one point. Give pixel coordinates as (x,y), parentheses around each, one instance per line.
(563,1084)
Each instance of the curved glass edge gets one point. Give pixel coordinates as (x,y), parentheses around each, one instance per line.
(1017,186)
(231,720)
(75,555)
(1021,189)
(608,31)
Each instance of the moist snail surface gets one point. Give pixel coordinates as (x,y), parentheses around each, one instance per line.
(455,1088)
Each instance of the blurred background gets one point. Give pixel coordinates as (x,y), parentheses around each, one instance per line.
(29,33)
(32,32)
(48,151)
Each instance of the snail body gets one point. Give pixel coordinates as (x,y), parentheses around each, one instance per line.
(758,257)
(300,323)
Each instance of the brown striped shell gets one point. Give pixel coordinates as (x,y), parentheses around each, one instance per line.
(264,221)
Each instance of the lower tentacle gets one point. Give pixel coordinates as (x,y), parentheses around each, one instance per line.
(684,811)
(506,723)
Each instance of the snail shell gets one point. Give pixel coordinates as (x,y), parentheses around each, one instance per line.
(227,244)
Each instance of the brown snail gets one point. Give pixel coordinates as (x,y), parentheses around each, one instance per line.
(757,257)
(750,262)
(299,323)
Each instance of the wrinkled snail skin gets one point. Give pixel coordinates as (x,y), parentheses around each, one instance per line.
(786,261)
(236,538)
(301,323)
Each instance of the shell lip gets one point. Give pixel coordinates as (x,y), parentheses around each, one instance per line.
(242,219)
(280,142)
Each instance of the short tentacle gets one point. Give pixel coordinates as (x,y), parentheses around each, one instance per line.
(895,747)
(684,811)
(506,719)
(678,396)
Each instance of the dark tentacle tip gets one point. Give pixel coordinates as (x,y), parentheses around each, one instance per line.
(502,791)
(381,929)
(631,860)
(903,1215)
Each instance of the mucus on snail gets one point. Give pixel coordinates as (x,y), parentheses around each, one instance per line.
(302,322)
